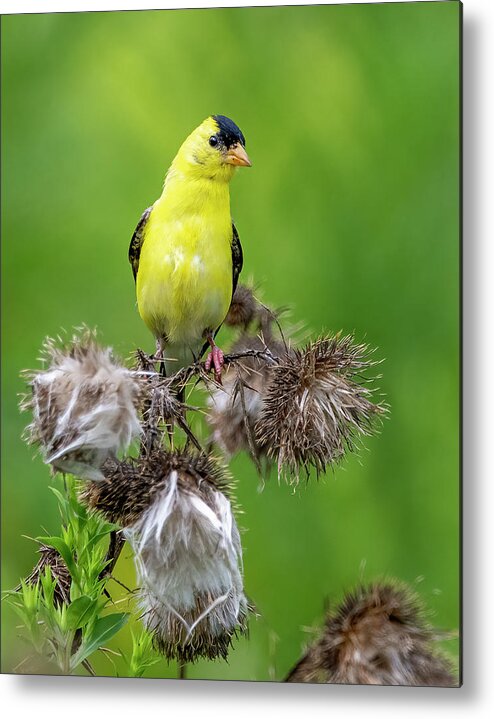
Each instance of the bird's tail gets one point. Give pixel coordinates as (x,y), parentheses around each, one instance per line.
(177,357)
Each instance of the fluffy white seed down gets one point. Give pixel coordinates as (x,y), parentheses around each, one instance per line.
(189,563)
(236,406)
(84,409)
(228,414)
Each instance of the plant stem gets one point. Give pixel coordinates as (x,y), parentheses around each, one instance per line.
(114,549)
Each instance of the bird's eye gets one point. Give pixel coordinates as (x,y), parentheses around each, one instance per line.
(213,141)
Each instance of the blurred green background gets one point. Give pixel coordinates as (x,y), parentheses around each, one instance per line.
(349,214)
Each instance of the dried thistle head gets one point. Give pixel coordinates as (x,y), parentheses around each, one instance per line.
(249,314)
(314,409)
(378,635)
(84,406)
(243,307)
(235,408)
(52,559)
(160,403)
(179,521)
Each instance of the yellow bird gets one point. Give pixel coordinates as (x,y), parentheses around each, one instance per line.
(185,252)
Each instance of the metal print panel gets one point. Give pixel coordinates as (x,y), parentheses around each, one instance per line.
(231,344)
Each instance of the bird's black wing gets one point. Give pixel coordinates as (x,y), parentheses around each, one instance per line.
(237,258)
(137,241)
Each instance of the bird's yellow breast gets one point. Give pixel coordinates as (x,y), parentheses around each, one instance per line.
(184,281)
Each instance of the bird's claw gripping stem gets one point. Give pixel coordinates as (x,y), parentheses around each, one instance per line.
(215,359)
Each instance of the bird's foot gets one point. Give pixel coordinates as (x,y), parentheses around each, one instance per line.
(215,359)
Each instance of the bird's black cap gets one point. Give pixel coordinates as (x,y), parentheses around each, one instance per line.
(229,133)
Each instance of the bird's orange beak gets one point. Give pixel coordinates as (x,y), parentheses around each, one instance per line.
(236,155)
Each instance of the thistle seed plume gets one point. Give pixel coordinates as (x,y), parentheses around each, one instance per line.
(84,406)
(179,521)
(235,408)
(378,635)
(314,409)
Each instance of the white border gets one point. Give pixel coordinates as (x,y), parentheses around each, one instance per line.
(35,6)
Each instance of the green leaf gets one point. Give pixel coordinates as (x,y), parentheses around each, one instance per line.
(80,612)
(61,499)
(104,629)
(30,597)
(64,552)
(96,538)
(48,584)
(20,610)
(78,509)
(143,655)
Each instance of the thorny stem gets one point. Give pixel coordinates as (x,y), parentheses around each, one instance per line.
(265,354)
(178,381)
(197,368)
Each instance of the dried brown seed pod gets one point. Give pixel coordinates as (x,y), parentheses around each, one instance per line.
(84,406)
(179,521)
(59,572)
(243,307)
(314,409)
(378,635)
(160,402)
(235,408)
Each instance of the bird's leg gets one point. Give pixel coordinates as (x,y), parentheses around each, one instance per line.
(159,355)
(159,350)
(215,358)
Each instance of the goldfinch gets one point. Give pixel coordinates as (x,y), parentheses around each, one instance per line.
(185,253)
